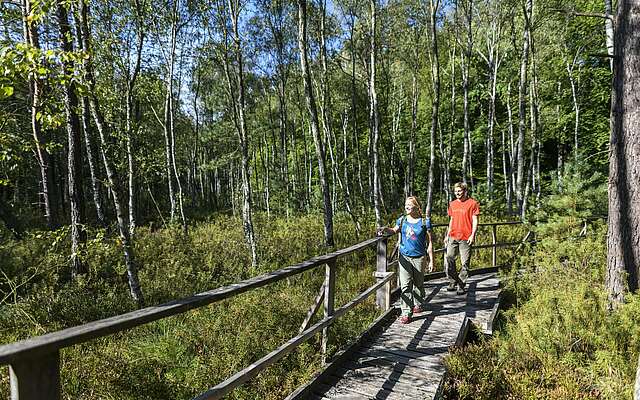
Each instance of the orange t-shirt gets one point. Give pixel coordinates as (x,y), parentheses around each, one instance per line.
(461,213)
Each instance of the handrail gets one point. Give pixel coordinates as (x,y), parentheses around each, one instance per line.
(494,244)
(79,334)
(484,224)
(35,362)
(246,374)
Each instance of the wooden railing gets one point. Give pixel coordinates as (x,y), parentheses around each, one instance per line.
(34,364)
(494,245)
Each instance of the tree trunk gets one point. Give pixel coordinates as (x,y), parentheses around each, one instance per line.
(535,121)
(374,117)
(576,105)
(623,239)
(466,65)
(35,90)
(345,186)
(91,160)
(560,172)
(81,30)
(522,88)
(446,151)
(411,165)
(132,77)
(243,134)
(492,58)
(168,113)
(74,168)
(314,124)
(325,105)
(609,31)
(127,245)
(354,109)
(395,160)
(435,79)
(512,154)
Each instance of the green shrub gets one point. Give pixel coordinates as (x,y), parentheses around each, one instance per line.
(559,341)
(181,356)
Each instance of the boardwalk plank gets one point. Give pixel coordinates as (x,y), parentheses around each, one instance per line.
(416,387)
(405,361)
(380,357)
(374,388)
(423,380)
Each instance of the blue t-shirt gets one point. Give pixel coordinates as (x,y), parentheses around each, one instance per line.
(414,237)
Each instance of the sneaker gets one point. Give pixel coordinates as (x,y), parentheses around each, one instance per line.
(451,287)
(405,319)
(417,309)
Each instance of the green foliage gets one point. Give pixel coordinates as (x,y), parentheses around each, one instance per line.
(581,197)
(181,356)
(559,341)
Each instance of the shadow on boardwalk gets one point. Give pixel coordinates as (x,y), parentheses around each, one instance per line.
(406,361)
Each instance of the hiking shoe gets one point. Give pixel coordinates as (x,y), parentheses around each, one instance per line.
(451,287)
(417,309)
(405,319)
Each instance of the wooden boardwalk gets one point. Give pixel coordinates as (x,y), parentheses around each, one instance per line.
(406,361)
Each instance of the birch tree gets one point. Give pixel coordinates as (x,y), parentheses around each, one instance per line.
(314,122)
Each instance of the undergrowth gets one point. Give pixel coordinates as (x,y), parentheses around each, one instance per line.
(181,356)
(558,340)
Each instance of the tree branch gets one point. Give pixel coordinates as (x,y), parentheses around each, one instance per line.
(583,14)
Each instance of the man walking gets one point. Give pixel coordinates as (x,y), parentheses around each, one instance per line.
(461,234)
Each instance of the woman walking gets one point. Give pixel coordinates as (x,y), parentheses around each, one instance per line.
(414,231)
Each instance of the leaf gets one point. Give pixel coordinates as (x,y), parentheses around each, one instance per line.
(7,91)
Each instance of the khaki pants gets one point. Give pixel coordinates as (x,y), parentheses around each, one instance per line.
(411,283)
(464,249)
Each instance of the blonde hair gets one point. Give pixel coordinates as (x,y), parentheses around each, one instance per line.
(416,204)
(462,186)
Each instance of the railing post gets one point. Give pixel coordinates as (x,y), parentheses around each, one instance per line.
(382,295)
(329,295)
(36,378)
(493,241)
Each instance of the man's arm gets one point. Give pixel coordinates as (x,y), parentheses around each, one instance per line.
(474,229)
(430,251)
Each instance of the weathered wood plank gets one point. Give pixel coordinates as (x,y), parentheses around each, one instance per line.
(406,360)
(342,356)
(425,347)
(381,357)
(382,296)
(432,353)
(37,379)
(329,301)
(372,389)
(419,339)
(327,391)
(413,387)
(423,380)
(313,310)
